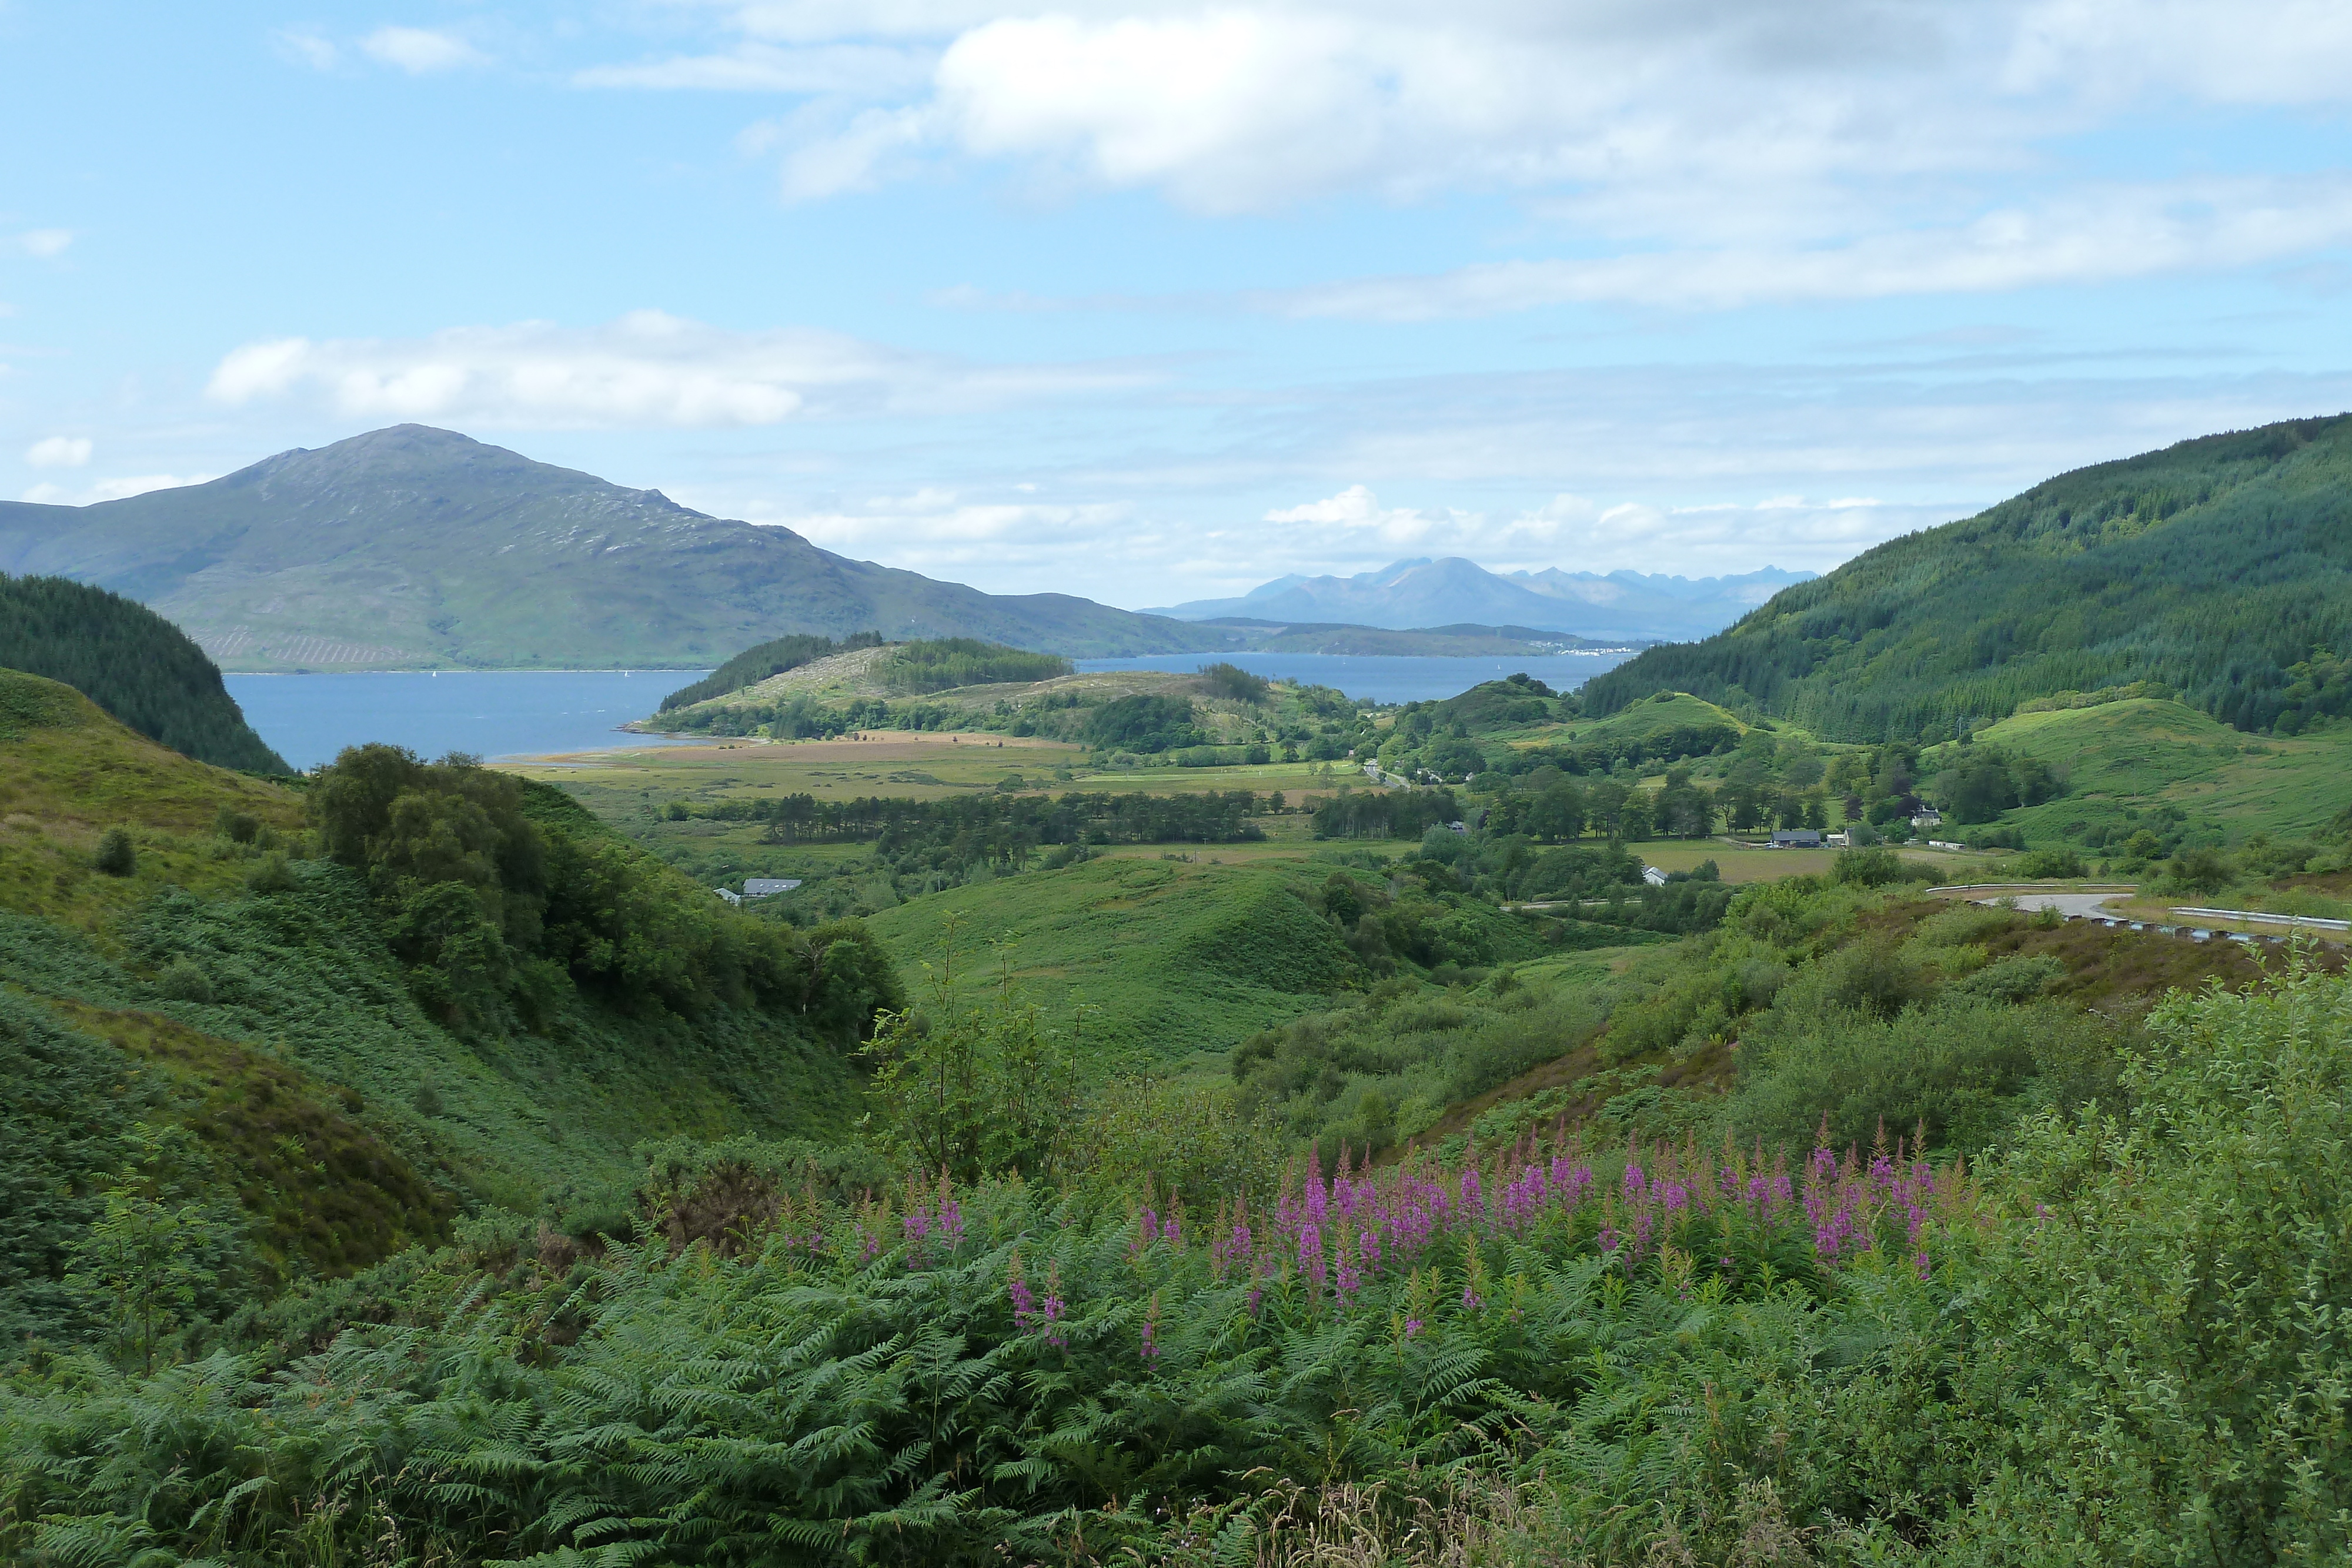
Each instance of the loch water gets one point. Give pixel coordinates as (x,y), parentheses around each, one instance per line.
(1387,677)
(510,713)
(490,713)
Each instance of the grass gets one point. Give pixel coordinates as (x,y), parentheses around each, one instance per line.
(1180,958)
(2132,754)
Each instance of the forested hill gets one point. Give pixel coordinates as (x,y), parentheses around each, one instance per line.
(412,547)
(2218,568)
(131,662)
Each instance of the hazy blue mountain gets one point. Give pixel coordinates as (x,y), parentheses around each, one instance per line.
(413,546)
(1625,605)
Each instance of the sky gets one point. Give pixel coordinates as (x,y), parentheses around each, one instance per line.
(1156,302)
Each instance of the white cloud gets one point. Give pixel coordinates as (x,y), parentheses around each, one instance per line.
(308,49)
(2088,237)
(647,369)
(1352,531)
(38,243)
(420,50)
(1693,153)
(58,452)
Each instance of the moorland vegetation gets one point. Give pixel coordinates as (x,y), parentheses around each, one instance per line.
(407,1163)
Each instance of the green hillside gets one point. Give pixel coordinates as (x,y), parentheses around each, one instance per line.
(411,547)
(131,662)
(2117,761)
(484,999)
(2220,568)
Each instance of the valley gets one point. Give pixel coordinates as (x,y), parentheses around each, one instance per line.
(1155,1089)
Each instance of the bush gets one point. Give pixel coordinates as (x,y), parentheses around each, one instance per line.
(272,876)
(2051,863)
(116,854)
(237,827)
(181,981)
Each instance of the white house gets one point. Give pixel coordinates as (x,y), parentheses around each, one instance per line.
(1654,876)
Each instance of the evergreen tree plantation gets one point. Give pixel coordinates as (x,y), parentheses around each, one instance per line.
(968,1110)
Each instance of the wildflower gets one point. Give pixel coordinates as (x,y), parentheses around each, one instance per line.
(1054,1308)
(1413,1328)
(1024,1305)
(1151,1330)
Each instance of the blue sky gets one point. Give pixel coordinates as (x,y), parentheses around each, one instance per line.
(1153,302)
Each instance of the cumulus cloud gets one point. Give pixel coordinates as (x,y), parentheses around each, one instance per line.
(58,452)
(647,369)
(419,50)
(1695,154)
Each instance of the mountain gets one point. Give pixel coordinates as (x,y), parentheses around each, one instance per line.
(1624,606)
(413,546)
(131,662)
(2219,569)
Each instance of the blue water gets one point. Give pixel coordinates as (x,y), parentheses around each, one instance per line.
(1387,678)
(492,712)
(508,712)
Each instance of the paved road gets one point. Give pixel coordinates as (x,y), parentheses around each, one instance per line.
(2089,904)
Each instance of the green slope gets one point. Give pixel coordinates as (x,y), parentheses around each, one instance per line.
(2138,754)
(412,547)
(2218,568)
(221,993)
(133,663)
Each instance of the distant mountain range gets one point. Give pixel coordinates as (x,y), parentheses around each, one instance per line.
(412,547)
(2219,569)
(1624,606)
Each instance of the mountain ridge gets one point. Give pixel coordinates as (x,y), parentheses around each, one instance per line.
(412,547)
(1422,592)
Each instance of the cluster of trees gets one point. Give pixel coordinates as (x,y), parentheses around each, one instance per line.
(938,664)
(753,665)
(131,662)
(1077,817)
(1384,813)
(499,895)
(2216,566)
(1146,724)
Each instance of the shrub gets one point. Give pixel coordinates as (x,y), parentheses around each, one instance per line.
(2055,862)
(180,980)
(117,856)
(272,876)
(237,827)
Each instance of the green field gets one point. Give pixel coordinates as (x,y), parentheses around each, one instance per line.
(2132,754)
(1181,957)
